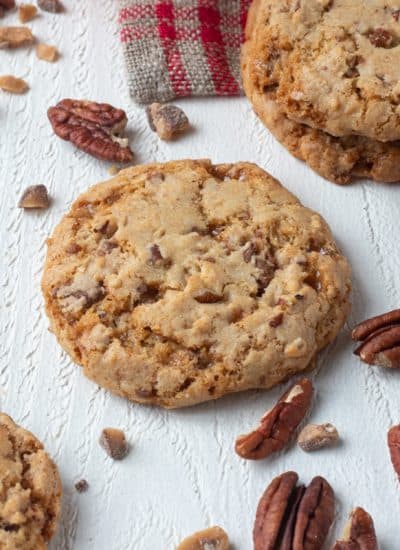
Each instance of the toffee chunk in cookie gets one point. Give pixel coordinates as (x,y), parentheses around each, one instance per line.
(265,54)
(176,283)
(30,496)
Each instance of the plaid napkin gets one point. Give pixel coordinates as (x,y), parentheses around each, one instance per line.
(178,48)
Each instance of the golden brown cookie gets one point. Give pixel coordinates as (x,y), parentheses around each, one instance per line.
(334,63)
(30,490)
(176,283)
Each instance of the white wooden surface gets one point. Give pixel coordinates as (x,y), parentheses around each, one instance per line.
(182,473)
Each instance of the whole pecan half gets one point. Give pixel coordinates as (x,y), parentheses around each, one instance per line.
(380,337)
(278,425)
(394,447)
(92,127)
(359,533)
(291,517)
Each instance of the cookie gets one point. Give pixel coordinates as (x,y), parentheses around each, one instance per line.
(340,160)
(334,63)
(176,283)
(30,490)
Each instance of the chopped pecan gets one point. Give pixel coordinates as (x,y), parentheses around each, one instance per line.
(26,12)
(276,321)
(92,127)
(248,252)
(207,296)
(380,38)
(278,425)
(213,538)
(167,120)
(394,447)
(15,37)
(34,196)
(380,337)
(82,486)
(267,270)
(316,436)
(294,518)
(47,53)
(114,443)
(359,533)
(53,6)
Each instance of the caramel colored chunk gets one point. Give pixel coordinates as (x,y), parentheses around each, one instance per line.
(15,37)
(114,443)
(34,196)
(213,538)
(47,53)
(26,12)
(12,84)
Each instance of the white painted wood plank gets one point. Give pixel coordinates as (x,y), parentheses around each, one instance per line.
(182,473)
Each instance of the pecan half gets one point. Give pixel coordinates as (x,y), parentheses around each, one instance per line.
(278,425)
(213,538)
(317,436)
(92,127)
(380,337)
(315,516)
(15,37)
(291,517)
(359,533)
(394,447)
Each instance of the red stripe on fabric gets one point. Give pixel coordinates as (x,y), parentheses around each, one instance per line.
(213,44)
(166,29)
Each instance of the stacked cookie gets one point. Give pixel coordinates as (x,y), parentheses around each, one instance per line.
(324,77)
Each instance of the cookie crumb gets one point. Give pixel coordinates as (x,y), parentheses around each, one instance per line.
(12,84)
(34,196)
(47,53)
(82,486)
(26,12)
(114,443)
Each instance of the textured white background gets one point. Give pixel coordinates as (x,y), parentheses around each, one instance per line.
(182,473)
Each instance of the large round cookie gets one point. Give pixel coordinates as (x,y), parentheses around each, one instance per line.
(177,283)
(30,490)
(337,159)
(335,63)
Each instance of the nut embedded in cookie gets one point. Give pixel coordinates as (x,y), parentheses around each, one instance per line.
(92,127)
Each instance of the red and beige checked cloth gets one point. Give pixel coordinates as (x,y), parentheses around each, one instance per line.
(178,48)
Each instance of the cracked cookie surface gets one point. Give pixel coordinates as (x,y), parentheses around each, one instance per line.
(30,490)
(176,283)
(334,63)
(339,159)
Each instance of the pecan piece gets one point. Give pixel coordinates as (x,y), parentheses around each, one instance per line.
(380,337)
(278,425)
(207,296)
(213,538)
(167,120)
(82,486)
(52,6)
(359,533)
(114,443)
(380,38)
(92,127)
(15,37)
(34,196)
(317,436)
(294,518)
(394,447)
